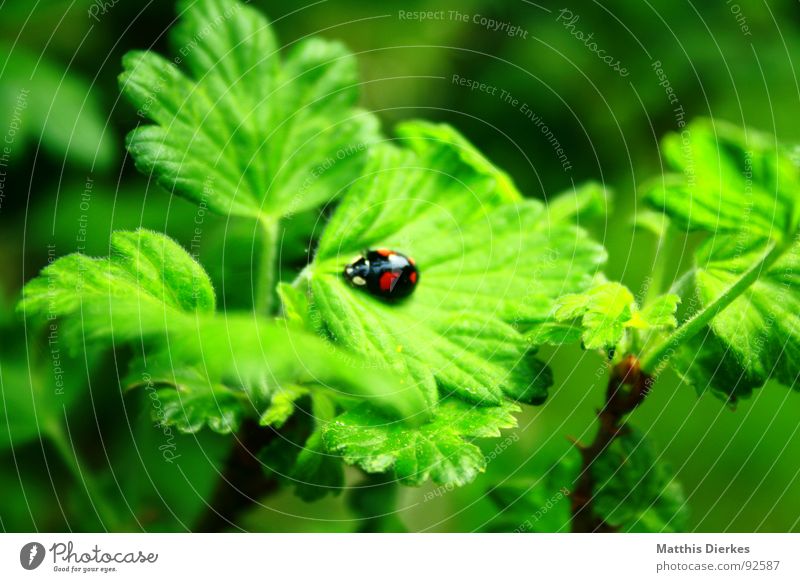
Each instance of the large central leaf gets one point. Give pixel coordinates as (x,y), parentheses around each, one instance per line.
(489,263)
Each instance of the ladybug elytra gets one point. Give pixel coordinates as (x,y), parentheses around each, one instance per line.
(384,273)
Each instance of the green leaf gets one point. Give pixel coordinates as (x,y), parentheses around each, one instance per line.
(656,223)
(758,336)
(195,404)
(487,263)
(660,313)
(282,405)
(38,387)
(604,311)
(167,478)
(537,498)
(317,472)
(601,316)
(152,292)
(241,129)
(706,363)
(741,190)
(294,303)
(733,181)
(585,202)
(634,491)
(534,506)
(262,357)
(439,450)
(147,278)
(373,500)
(54,107)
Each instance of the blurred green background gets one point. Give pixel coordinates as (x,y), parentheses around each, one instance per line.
(66,183)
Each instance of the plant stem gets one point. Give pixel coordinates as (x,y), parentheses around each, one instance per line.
(679,286)
(374,500)
(619,403)
(102,507)
(657,277)
(654,361)
(266,276)
(242,482)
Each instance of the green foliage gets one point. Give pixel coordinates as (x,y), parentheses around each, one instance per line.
(601,317)
(316,471)
(743,196)
(195,404)
(731,181)
(456,337)
(151,290)
(585,202)
(634,491)
(43,103)
(436,450)
(246,131)
(35,395)
(603,310)
(369,500)
(537,501)
(148,278)
(282,405)
(758,336)
(456,332)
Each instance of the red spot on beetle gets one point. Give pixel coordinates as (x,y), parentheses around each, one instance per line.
(384,252)
(388,280)
(413,277)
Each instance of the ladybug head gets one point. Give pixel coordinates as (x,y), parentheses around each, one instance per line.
(357,272)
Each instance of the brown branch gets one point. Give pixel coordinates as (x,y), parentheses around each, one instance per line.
(627,388)
(242,482)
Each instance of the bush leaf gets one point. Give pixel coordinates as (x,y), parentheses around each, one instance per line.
(487,260)
(436,450)
(243,130)
(634,491)
(732,181)
(743,195)
(151,290)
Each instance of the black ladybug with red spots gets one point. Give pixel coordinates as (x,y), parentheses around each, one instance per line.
(384,273)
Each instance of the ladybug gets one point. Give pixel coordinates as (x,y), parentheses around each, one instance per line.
(386,274)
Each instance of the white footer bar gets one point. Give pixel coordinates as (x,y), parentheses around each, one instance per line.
(400,557)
